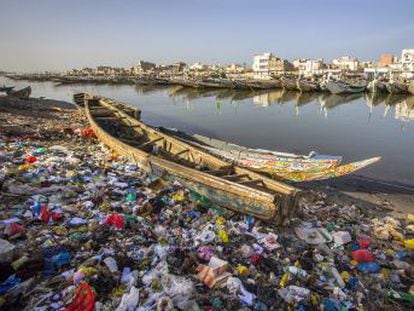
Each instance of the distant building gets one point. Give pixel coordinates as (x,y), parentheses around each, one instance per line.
(234,68)
(300,64)
(179,66)
(346,63)
(198,67)
(407,60)
(372,73)
(265,65)
(143,67)
(386,59)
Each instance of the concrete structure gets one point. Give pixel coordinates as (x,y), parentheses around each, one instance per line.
(265,65)
(346,63)
(372,73)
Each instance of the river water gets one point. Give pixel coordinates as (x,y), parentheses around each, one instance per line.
(355,126)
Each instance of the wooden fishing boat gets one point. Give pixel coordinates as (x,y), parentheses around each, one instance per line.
(411,87)
(260,84)
(377,86)
(215,83)
(6,89)
(289,84)
(21,94)
(164,156)
(307,86)
(281,165)
(340,87)
(397,87)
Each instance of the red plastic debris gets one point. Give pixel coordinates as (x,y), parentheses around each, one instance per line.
(45,215)
(84,299)
(30,159)
(88,133)
(363,242)
(362,255)
(255,259)
(116,220)
(13,229)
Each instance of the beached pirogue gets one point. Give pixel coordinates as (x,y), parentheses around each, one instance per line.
(279,165)
(225,185)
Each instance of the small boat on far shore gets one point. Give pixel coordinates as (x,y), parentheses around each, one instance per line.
(307,85)
(23,93)
(340,87)
(411,88)
(377,86)
(289,84)
(6,89)
(397,87)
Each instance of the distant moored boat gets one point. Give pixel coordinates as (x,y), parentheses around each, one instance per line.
(339,87)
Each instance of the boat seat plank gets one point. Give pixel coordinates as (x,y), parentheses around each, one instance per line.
(234,177)
(251,181)
(181,152)
(151,142)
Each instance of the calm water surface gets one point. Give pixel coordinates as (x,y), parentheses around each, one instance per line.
(354,126)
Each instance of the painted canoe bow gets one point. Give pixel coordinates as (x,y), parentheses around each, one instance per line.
(292,167)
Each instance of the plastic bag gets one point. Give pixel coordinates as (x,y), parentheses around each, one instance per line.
(129,301)
(116,220)
(362,255)
(84,299)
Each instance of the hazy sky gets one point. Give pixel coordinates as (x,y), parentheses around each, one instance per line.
(60,34)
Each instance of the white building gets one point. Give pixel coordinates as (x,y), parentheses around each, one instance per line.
(346,63)
(261,65)
(314,67)
(407,63)
(300,64)
(266,64)
(198,66)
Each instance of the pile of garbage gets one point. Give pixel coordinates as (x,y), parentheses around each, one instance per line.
(84,229)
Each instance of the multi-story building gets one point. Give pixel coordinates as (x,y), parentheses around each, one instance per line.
(143,67)
(265,65)
(386,59)
(300,64)
(407,60)
(346,63)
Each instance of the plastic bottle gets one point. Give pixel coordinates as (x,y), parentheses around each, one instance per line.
(297,272)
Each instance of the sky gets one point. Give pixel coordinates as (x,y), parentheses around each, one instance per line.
(37,35)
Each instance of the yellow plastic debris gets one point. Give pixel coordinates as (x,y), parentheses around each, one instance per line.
(220,220)
(386,273)
(409,244)
(315,300)
(23,167)
(88,271)
(345,276)
(118,291)
(284,280)
(353,262)
(242,270)
(223,236)
(410,217)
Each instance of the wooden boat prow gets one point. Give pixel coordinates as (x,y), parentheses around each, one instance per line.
(225,185)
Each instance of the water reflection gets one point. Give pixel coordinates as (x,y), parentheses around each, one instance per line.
(404,104)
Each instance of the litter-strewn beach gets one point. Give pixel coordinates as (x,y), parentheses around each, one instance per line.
(82,229)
